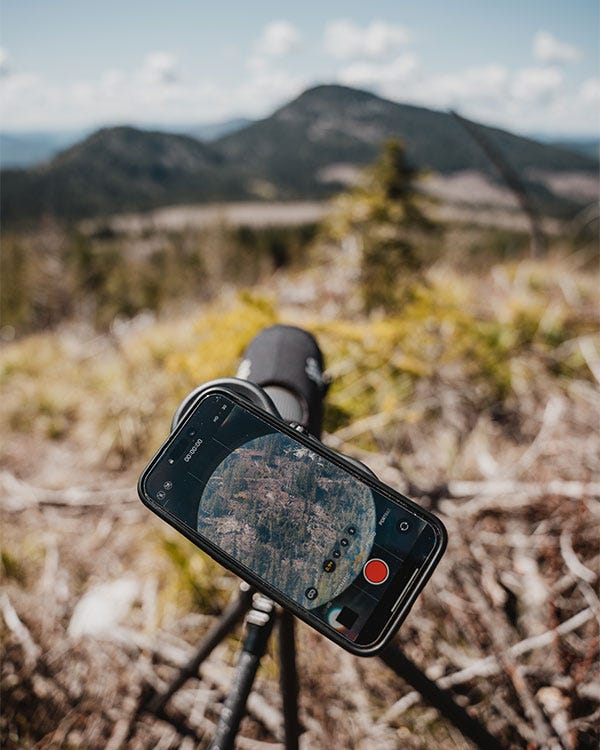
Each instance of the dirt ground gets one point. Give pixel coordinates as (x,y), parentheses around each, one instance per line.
(101,603)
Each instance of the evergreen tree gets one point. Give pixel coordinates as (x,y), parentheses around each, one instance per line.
(383,217)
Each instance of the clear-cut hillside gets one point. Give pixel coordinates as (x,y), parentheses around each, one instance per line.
(303,146)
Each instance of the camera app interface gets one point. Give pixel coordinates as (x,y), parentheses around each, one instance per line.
(294,518)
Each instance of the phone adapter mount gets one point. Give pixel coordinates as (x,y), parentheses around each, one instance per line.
(243,388)
(286,367)
(281,372)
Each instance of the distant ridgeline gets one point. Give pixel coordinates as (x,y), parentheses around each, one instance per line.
(302,151)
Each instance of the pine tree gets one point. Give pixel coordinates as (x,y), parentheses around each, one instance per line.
(384,218)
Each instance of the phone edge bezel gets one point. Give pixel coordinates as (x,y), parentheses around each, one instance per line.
(310,441)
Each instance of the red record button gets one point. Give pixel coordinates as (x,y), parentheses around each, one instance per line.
(376,571)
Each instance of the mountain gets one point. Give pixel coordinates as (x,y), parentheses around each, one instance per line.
(298,146)
(19,150)
(305,149)
(210,131)
(119,169)
(28,148)
(586,146)
(589,145)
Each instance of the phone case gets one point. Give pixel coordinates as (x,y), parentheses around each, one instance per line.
(364,475)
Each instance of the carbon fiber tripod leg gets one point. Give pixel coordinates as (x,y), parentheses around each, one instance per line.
(259,624)
(230,617)
(289,680)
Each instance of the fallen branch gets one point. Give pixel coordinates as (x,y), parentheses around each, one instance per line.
(591,597)
(503,707)
(30,648)
(572,562)
(360,426)
(564,487)
(490,665)
(400,706)
(553,412)
(507,494)
(497,631)
(218,675)
(589,353)
(19,495)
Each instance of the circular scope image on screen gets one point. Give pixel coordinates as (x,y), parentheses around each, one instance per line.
(291,516)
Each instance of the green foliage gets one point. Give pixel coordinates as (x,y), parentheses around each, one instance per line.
(12,567)
(13,305)
(393,179)
(113,280)
(124,397)
(444,334)
(96,277)
(37,289)
(385,265)
(384,218)
(116,170)
(198,578)
(222,336)
(485,333)
(282,246)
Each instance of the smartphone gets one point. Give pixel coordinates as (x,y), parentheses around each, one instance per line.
(295,519)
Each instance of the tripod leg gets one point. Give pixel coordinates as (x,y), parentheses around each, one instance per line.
(259,624)
(289,680)
(232,614)
(438,698)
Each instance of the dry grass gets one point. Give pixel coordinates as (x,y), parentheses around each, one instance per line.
(480,399)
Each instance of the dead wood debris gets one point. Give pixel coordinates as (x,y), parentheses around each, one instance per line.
(509,622)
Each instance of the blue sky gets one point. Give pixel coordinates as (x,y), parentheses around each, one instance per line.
(529,66)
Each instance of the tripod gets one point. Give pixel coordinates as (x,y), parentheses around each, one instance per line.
(282,372)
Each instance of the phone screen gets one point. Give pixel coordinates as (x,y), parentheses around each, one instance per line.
(305,526)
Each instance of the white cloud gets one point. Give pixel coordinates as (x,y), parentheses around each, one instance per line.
(112,81)
(483,84)
(278,39)
(590,91)
(268,88)
(548,49)
(268,82)
(152,92)
(536,84)
(485,89)
(5,64)
(16,88)
(385,76)
(372,56)
(346,40)
(534,99)
(159,68)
